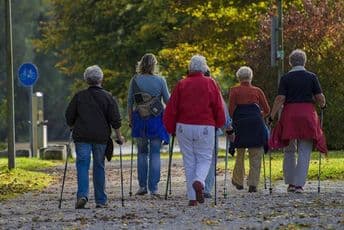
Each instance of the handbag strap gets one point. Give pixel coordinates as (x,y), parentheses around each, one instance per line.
(97,105)
(136,88)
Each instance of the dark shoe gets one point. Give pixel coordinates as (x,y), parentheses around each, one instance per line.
(291,188)
(207,195)
(238,186)
(252,189)
(198,187)
(101,205)
(155,194)
(142,191)
(298,189)
(192,203)
(80,203)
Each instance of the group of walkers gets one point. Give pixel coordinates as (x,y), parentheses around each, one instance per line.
(196,114)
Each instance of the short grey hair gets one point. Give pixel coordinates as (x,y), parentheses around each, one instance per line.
(244,73)
(297,58)
(198,63)
(93,75)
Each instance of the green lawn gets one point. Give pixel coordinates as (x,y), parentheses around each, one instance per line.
(332,167)
(26,177)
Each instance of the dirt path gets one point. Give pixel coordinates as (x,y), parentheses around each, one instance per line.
(240,210)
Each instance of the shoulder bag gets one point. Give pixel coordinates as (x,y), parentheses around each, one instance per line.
(145,103)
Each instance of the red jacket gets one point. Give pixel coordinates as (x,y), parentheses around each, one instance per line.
(298,121)
(195,100)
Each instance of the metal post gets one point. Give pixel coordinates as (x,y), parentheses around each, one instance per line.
(280,51)
(41,124)
(31,121)
(273,45)
(10,87)
(34,112)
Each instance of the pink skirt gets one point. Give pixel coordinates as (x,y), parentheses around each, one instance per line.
(298,121)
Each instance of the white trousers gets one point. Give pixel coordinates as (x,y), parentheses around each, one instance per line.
(295,171)
(196,143)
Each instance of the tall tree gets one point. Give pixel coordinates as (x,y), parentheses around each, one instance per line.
(112,34)
(26,16)
(115,34)
(317,27)
(214,29)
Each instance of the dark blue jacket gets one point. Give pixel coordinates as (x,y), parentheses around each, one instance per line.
(249,126)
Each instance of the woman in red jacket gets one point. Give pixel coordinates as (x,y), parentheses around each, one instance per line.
(193,113)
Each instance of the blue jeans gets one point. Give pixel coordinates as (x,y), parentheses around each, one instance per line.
(83,159)
(148,148)
(210,180)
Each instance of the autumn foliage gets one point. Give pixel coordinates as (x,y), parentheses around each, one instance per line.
(318,28)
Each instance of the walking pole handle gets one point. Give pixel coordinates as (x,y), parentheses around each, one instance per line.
(119,142)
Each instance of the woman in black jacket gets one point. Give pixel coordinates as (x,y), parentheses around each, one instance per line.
(91,114)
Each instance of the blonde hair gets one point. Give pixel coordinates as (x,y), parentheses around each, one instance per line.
(244,73)
(147,64)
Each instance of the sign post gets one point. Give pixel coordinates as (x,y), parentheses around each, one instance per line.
(280,50)
(28,75)
(277,50)
(10,88)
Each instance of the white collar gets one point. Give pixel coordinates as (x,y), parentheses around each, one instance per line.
(297,68)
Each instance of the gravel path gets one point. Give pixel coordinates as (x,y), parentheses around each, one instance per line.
(241,210)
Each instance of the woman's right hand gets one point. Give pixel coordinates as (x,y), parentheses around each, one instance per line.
(120,140)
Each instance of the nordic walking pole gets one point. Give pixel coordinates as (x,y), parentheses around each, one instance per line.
(264,171)
(169,167)
(319,169)
(226,170)
(268,126)
(131,167)
(121,168)
(270,185)
(65,168)
(215,159)
(170,185)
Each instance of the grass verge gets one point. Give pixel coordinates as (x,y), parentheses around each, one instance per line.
(332,167)
(24,178)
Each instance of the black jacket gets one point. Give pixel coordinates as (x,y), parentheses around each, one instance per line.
(91,113)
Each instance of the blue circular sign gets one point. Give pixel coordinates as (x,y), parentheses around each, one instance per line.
(28,74)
